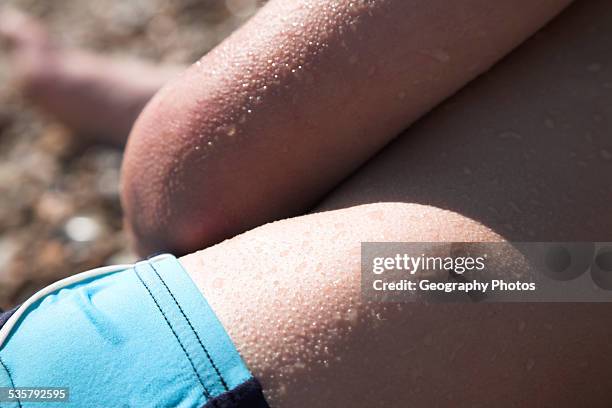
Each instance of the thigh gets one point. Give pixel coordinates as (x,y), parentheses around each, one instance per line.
(526,149)
(288,294)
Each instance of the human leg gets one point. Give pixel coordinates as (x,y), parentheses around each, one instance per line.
(296,99)
(99,96)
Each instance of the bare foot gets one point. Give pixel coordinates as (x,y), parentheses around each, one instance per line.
(94,95)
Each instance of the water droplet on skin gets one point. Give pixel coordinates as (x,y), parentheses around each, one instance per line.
(231,130)
(352,315)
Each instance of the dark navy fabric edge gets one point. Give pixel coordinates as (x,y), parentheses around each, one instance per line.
(247,395)
(7,315)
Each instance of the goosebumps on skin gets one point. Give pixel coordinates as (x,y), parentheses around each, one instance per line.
(288,294)
(291,103)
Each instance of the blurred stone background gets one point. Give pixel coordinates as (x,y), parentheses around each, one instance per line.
(59,203)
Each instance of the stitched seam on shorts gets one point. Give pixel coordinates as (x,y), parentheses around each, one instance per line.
(206,392)
(10,379)
(192,329)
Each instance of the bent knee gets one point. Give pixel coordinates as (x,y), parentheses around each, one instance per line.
(172,197)
(288,294)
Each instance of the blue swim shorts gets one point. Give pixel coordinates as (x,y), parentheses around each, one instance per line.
(125,336)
